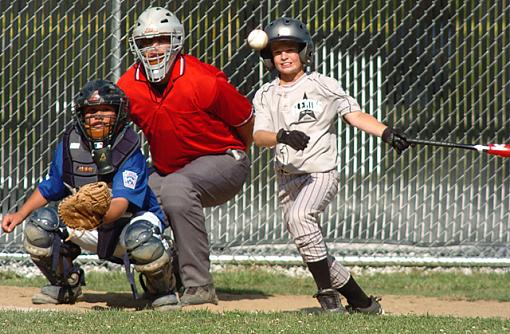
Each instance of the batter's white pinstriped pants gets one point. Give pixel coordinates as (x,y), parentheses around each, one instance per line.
(304,197)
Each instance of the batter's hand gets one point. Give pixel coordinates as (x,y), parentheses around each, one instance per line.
(296,139)
(10,221)
(396,138)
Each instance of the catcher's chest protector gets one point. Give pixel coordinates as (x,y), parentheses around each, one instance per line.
(79,167)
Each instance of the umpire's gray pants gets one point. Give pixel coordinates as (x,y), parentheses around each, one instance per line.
(206,181)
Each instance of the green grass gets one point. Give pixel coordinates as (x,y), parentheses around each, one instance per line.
(238,322)
(254,280)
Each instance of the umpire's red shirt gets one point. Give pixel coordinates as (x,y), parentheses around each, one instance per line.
(196,115)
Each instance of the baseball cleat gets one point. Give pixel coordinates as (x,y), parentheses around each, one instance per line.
(54,294)
(330,300)
(374,307)
(196,295)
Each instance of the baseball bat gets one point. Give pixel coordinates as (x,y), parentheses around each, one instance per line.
(501,150)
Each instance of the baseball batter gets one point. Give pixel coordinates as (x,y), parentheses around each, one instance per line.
(296,114)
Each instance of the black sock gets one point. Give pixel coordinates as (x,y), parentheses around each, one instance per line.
(355,296)
(320,273)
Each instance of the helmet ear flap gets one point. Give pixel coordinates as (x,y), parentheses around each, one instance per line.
(267,57)
(306,54)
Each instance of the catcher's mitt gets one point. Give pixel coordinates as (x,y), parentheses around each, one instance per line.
(85,209)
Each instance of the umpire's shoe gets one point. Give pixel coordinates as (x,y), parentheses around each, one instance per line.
(54,294)
(374,307)
(195,295)
(330,300)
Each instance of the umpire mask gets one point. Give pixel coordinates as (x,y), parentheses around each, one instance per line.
(156,40)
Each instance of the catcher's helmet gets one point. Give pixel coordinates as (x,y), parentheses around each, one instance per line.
(287,29)
(152,23)
(101,92)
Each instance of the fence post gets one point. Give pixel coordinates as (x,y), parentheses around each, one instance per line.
(115,41)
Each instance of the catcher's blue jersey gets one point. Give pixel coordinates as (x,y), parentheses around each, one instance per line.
(130,182)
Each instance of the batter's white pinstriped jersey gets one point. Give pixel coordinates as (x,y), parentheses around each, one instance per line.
(310,105)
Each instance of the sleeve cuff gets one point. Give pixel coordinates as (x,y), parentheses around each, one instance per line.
(245,121)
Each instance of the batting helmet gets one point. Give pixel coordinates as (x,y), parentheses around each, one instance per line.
(287,29)
(101,92)
(157,22)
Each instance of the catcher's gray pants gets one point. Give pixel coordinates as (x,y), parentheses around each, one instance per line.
(206,181)
(303,198)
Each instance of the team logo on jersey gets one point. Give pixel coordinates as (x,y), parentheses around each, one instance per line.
(86,169)
(129,178)
(307,109)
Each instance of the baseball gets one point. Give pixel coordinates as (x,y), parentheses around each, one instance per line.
(257,39)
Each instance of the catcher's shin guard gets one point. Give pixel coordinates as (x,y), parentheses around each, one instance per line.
(44,242)
(157,278)
(151,257)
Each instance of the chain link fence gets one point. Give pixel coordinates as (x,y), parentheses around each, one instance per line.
(439,69)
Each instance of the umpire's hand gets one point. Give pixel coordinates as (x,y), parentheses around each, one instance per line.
(296,139)
(396,138)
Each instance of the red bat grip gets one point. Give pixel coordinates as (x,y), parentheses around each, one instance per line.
(502,150)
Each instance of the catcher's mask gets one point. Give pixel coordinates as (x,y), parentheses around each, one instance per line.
(156,40)
(287,29)
(101,111)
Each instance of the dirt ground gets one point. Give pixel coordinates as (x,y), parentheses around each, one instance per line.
(20,299)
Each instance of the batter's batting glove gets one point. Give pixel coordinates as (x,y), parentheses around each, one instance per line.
(296,139)
(396,138)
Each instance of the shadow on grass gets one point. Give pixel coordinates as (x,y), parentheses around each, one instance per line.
(241,294)
(124,300)
(312,310)
(115,300)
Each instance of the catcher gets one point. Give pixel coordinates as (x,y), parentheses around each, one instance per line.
(100,174)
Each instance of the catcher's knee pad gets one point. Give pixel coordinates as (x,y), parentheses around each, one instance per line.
(311,246)
(40,231)
(145,246)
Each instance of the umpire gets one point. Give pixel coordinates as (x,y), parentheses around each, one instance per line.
(198,128)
